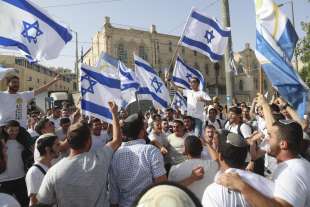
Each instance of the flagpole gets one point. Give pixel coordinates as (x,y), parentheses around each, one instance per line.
(261,81)
(178,44)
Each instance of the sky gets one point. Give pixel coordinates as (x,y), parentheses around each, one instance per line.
(86,17)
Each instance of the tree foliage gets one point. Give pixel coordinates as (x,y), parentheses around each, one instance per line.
(303,52)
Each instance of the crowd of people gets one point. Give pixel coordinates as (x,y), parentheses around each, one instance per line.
(209,155)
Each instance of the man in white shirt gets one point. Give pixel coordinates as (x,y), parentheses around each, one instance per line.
(61,132)
(291,177)
(195,104)
(211,118)
(14,104)
(193,149)
(99,137)
(55,117)
(48,147)
(231,157)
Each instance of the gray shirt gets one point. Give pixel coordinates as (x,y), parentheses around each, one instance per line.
(78,181)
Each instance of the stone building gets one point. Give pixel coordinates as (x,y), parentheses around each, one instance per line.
(156,48)
(33,76)
(246,83)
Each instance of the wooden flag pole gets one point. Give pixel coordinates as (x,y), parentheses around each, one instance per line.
(261,81)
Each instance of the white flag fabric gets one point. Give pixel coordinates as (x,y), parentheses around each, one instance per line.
(129,83)
(205,35)
(183,73)
(270,17)
(27,28)
(4,71)
(108,64)
(179,102)
(97,89)
(151,84)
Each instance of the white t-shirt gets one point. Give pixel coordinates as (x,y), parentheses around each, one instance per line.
(218,196)
(99,141)
(162,138)
(32,133)
(176,149)
(60,134)
(15,166)
(292,182)
(261,124)
(55,121)
(34,178)
(217,123)
(14,107)
(195,107)
(183,170)
(8,201)
(245,129)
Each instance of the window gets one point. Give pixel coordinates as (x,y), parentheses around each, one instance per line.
(122,53)
(217,69)
(142,53)
(241,85)
(195,53)
(170,46)
(256,83)
(38,80)
(30,78)
(207,69)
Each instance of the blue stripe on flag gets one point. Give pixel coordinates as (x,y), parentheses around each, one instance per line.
(145,66)
(181,81)
(24,5)
(201,46)
(96,109)
(210,22)
(145,90)
(107,81)
(192,70)
(125,74)
(288,40)
(9,42)
(129,85)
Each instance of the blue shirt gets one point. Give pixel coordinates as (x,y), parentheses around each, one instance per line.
(134,167)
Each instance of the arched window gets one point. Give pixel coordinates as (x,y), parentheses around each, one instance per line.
(195,53)
(217,69)
(142,53)
(122,53)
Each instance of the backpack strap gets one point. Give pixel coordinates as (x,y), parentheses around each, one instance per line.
(40,168)
(219,123)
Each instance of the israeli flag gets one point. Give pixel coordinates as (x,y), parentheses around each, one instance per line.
(205,35)
(183,73)
(151,84)
(27,28)
(179,102)
(279,71)
(97,89)
(277,25)
(5,71)
(108,64)
(129,83)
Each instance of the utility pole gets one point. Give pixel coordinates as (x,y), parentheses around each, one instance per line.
(76,58)
(226,22)
(293,19)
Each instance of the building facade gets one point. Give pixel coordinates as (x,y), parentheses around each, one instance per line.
(247,82)
(33,76)
(156,48)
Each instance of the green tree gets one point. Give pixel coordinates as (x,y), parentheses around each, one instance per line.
(303,52)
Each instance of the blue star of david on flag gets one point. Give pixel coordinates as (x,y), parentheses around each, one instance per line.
(31,31)
(189,76)
(178,103)
(91,84)
(209,36)
(156,85)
